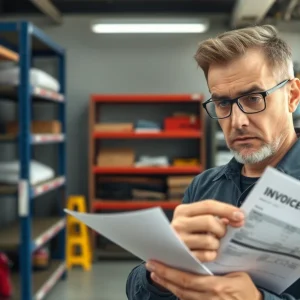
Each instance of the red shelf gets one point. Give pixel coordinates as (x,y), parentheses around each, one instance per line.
(128,205)
(141,98)
(147,170)
(155,135)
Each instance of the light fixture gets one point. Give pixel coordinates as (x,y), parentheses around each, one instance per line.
(145,26)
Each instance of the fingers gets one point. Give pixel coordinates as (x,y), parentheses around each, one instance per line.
(205,255)
(200,224)
(181,279)
(225,221)
(209,243)
(237,224)
(178,291)
(201,241)
(210,207)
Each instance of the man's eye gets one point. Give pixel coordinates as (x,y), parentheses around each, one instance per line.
(223,103)
(254,98)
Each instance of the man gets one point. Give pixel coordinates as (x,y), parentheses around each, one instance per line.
(253,95)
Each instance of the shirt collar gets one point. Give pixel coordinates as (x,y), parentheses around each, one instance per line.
(290,164)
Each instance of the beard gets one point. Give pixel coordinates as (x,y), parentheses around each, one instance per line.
(265,151)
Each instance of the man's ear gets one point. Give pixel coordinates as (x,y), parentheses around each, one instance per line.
(294,96)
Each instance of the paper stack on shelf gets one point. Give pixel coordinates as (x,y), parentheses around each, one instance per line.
(152,161)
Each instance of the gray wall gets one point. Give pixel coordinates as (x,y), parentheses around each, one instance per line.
(121,64)
(118,64)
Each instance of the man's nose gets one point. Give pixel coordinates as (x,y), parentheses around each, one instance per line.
(238,118)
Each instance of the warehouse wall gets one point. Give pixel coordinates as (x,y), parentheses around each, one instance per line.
(120,64)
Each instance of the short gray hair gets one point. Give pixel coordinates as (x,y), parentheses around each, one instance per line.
(232,44)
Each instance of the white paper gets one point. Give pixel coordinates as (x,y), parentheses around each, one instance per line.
(268,246)
(147,234)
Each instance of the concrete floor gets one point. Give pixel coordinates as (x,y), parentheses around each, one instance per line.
(106,281)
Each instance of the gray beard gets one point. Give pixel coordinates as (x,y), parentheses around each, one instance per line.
(263,153)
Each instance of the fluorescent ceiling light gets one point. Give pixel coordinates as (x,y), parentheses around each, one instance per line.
(149,28)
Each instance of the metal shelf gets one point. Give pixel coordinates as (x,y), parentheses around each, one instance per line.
(9,33)
(43,281)
(48,186)
(43,230)
(36,139)
(10,92)
(160,102)
(35,190)
(47,138)
(28,41)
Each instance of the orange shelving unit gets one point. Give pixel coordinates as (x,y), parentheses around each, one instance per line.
(96,137)
(140,98)
(147,170)
(117,205)
(178,134)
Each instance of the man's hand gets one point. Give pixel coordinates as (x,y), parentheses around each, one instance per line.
(202,224)
(187,286)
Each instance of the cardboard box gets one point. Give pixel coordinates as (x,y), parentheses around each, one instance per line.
(114,127)
(179,181)
(37,127)
(116,157)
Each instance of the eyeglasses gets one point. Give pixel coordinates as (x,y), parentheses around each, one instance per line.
(249,104)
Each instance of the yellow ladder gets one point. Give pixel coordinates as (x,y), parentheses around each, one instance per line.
(78,240)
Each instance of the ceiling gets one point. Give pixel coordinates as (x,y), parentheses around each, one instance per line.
(126,6)
(280,8)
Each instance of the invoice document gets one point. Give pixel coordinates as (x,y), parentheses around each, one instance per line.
(267,247)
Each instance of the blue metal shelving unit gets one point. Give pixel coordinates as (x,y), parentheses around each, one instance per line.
(29,41)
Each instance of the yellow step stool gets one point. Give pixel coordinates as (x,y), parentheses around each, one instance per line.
(78,240)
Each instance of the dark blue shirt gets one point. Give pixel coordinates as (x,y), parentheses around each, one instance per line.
(223,184)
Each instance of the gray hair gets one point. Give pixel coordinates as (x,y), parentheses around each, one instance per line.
(232,44)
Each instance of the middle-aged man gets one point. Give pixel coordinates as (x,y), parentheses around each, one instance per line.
(250,77)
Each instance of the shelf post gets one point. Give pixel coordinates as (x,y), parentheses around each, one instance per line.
(24,114)
(62,151)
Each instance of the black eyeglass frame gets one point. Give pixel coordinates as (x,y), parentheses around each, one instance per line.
(264,94)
